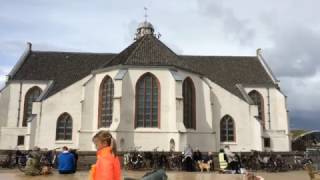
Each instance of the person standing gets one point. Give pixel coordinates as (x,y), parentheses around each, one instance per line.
(107,166)
(66,162)
(223,160)
(188,158)
(18,155)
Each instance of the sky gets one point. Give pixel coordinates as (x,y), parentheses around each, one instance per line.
(288,31)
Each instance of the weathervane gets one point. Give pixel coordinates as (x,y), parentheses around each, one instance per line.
(145,13)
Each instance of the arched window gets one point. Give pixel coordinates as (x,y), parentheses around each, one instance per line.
(105,102)
(258,100)
(30,97)
(64,127)
(147,101)
(189,104)
(227,129)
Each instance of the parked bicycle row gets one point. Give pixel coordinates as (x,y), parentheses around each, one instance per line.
(190,160)
(187,160)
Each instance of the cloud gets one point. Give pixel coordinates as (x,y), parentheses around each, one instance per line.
(234,28)
(302,93)
(295,52)
(4,70)
(2,82)
(304,119)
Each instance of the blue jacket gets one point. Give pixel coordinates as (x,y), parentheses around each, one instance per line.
(66,161)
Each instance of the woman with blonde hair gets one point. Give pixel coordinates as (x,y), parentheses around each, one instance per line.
(107,166)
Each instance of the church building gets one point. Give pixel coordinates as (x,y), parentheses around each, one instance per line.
(147,96)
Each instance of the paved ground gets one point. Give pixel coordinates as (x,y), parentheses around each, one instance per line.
(83,175)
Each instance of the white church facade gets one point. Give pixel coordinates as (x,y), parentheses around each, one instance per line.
(146,96)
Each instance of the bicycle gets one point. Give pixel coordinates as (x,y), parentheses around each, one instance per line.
(133,159)
(175,161)
(9,161)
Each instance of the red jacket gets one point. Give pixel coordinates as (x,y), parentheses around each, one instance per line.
(107,166)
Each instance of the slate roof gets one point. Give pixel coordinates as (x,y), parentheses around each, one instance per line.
(227,71)
(65,68)
(62,67)
(147,50)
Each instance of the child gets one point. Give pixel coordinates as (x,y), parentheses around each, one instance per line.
(107,166)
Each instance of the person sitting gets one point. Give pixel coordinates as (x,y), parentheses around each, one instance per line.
(197,156)
(66,162)
(76,157)
(209,160)
(33,163)
(233,163)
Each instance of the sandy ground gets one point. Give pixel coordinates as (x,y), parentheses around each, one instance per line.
(83,175)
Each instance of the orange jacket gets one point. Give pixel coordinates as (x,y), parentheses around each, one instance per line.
(107,166)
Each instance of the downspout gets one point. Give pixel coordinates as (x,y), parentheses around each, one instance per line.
(37,136)
(288,124)
(287,113)
(269,114)
(19,106)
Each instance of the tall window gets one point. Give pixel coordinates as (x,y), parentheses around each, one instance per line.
(189,103)
(258,100)
(147,101)
(64,127)
(30,97)
(227,129)
(105,102)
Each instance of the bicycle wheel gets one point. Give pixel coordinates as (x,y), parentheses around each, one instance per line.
(22,163)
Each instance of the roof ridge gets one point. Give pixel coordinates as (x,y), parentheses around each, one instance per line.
(139,45)
(111,60)
(72,52)
(231,56)
(178,56)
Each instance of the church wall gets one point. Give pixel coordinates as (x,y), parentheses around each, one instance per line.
(127,136)
(67,100)
(14,105)
(148,138)
(276,123)
(204,124)
(10,132)
(26,86)
(9,137)
(212,103)
(86,129)
(248,136)
(90,105)
(98,79)
(4,104)
(279,122)
(279,109)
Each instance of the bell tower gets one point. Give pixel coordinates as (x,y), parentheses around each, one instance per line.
(144,28)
